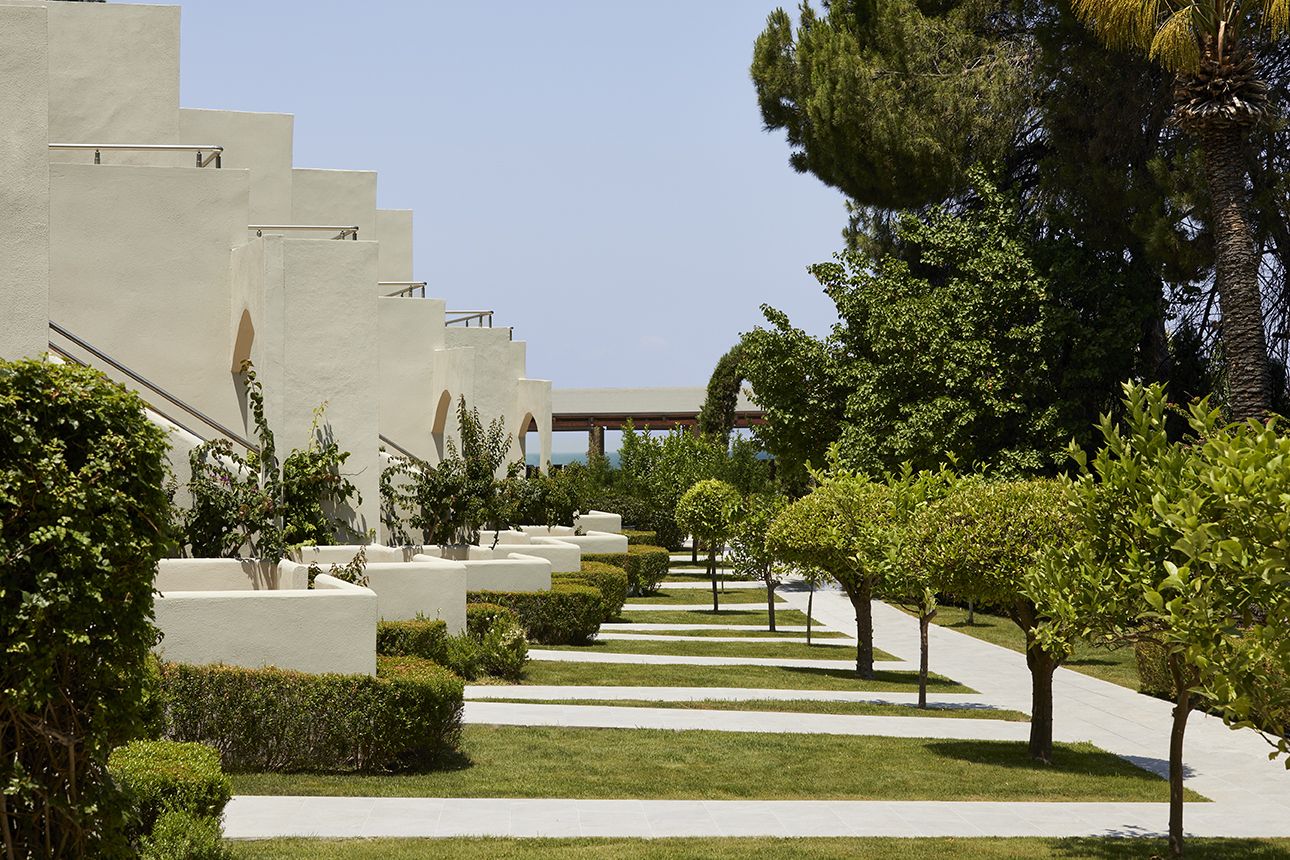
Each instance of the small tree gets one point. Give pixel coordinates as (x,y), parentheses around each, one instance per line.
(1184,546)
(980,542)
(749,557)
(708,511)
(840,528)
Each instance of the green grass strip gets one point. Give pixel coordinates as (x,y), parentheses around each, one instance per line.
(869,848)
(724,616)
(683,596)
(816,633)
(769,648)
(557,672)
(508,761)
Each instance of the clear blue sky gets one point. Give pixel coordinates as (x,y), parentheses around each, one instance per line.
(596,172)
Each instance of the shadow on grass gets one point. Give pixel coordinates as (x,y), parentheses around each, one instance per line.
(1134,847)
(1078,758)
(933,681)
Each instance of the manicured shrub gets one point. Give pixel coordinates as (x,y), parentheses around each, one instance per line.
(503,650)
(638,536)
(421,637)
(481,616)
(1154,677)
(84,519)
(646,566)
(183,836)
(157,776)
(609,580)
(565,615)
(276,720)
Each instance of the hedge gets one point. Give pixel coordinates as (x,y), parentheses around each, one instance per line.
(85,518)
(184,836)
(157,776)
(422,637)
(646,566)
(638,536)
(494,647)
(276,720)
(610,581)
(480,617)
(1154,677)
(565,615)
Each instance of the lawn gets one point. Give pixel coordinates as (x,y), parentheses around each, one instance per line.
(797,706)
(816,633)
(769,648)
(507,761)
(1118,667)
(707,616)
(731,849)
(557,672)
(698,595)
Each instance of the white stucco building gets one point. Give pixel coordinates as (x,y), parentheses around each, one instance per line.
(180,271)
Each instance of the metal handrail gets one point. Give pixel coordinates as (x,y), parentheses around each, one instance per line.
(409,288)
(345,231)
(151,386)
(216,152)
(485,318)
(397,447)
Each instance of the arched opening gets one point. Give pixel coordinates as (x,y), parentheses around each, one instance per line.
(527,425)
(441,413)
(243,341)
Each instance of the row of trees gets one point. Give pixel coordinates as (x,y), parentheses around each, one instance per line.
(1180,544)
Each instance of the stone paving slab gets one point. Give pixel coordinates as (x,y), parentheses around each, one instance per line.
(252,817)
(689,660)
(729,694)
(661,637)
(772,722)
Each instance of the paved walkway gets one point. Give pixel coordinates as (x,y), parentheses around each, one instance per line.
(646,626)
(665,637)
(691,607)
(337,817)
(583,656)
(737,583)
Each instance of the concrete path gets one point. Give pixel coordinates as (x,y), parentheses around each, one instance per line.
(688,660)
(728,694)
(646,626)
(689,607)
(736,583)
(663,637)
(338,817)
(774,722)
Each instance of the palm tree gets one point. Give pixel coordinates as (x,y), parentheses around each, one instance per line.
(1218,97)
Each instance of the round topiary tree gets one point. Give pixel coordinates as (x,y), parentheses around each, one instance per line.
(842,528)
(84,520)
(749,557)
(708,511)
(981,542)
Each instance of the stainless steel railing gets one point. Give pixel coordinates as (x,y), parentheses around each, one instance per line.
(342,231)
(407,289)
(215,152)
(483,319)
(152,388)
(397,447)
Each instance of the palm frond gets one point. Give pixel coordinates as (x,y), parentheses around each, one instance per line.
(1123,23)
(1276,17)
(1175,45)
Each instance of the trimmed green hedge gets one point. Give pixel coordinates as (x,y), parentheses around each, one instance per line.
(161,776)
(183,836)
(565,615)
(1154,677)
(609,580)
(480,617)
(269,719)
(421,637)
(646,566)
(643,538)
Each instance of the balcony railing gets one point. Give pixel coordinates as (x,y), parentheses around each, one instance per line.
(341,231)
(482,319)
(206,153)
(407,289)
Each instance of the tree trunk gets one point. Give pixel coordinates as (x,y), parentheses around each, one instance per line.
(810,606)
(861,595)
(1041,665)
(1182,708)
(770,604)
(971,619)
(694,550)
(1236,271)
(712,572)
(923,622)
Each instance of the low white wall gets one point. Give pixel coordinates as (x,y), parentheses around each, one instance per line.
(344,554)
(592,543)
(565,557)
(331,628)
(226,574)
(513,572)
(433,587)
(598,521)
